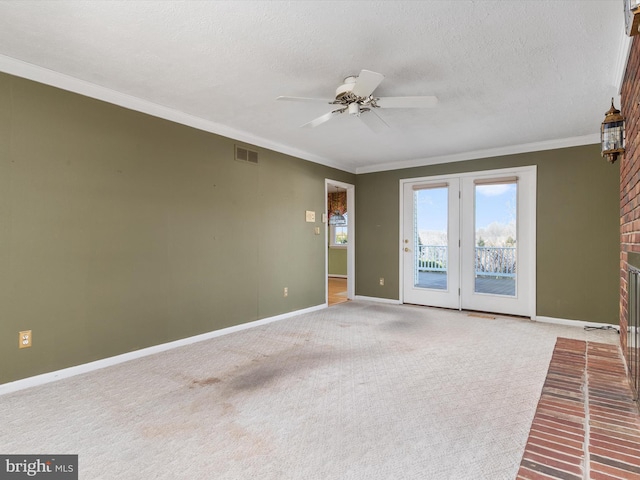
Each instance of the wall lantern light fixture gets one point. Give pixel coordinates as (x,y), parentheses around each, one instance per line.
(612,134)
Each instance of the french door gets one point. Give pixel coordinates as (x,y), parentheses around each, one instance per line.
(468,241)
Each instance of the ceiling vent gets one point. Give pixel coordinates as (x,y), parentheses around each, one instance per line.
(246,155)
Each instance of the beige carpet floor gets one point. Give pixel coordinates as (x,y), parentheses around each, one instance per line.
(357,391)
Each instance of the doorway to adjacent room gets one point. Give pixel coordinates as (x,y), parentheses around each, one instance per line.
(340,233)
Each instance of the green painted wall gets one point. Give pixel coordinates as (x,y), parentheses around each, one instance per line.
(578,220)
(120,231)
(337,261)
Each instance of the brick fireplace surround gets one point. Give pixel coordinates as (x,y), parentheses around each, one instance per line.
(629,186)
(587,424)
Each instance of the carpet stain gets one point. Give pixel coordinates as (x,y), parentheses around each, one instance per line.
(278,369)
(274,369)
(251,444)
(205,382)
(259,377)
(401,325)
(228,408)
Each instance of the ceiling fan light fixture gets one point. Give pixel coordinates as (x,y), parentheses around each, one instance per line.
(355,96)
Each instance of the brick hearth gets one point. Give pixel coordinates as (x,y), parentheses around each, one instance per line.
(586,425)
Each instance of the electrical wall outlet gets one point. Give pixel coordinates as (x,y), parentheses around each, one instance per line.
(24,339)
(286,292)
(381,280)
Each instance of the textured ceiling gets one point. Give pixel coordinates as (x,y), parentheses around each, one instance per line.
(506,73)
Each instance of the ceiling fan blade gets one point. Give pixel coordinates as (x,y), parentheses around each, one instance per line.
(407,102)
(304,99)
(324,118)
(366,83)
(372,120)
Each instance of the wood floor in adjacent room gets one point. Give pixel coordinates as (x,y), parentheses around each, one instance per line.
(337,290)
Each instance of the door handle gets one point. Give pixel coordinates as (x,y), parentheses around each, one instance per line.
(406,249)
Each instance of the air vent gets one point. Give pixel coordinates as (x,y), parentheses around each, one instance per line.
(246,155)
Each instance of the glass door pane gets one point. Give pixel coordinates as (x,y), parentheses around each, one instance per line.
(431,239)
(430,243)
(496,238)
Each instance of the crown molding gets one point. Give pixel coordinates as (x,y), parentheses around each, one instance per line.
(65,82)
(52,78)
(621,61)
(491,152)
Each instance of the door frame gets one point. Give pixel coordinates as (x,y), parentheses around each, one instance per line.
(531,193)
(351,235)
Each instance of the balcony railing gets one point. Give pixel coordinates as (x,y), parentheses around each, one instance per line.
(490,261)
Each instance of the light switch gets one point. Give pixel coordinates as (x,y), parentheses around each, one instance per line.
(311,216)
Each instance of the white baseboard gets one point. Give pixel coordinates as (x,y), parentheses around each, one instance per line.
(377,299)
(573,323)
(125,357)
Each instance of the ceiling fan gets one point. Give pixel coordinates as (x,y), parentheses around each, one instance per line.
(355,96)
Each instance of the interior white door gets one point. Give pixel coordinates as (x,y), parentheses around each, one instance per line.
(468,241)
(430,243)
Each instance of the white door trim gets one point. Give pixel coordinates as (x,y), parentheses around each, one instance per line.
(532,170)
(351,235)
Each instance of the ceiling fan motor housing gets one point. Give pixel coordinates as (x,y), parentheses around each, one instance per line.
(345,89)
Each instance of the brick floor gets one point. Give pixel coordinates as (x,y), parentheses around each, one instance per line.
(587,425)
